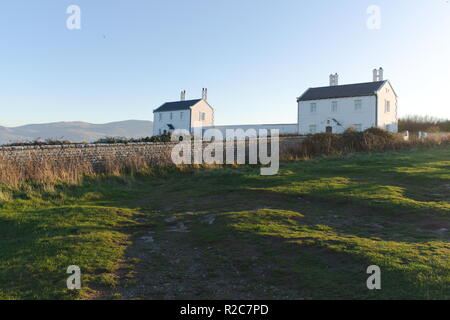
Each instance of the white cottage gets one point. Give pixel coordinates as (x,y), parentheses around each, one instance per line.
(338,107)
(183,114)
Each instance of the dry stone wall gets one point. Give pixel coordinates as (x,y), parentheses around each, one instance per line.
(155,153)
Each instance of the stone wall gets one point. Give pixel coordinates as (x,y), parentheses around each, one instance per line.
(154,153)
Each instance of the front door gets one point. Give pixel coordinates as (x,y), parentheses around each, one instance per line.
(329,129)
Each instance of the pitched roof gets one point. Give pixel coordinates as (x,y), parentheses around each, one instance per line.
(177,105)
(349,90)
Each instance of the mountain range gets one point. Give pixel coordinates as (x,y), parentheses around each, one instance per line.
(76,131)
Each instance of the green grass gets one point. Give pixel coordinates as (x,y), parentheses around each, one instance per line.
(308,233)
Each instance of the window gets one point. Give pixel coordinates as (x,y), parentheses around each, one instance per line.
(201,116)
(334,106)
(312,128)
(171,116)
(181,115)
(387,127)
(358,105)
(358,127)
(387,106)
(160,117)
(313,107)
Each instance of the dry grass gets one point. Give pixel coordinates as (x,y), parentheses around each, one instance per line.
(48,172)
(72,170)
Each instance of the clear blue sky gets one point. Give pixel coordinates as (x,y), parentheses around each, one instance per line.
(255,56)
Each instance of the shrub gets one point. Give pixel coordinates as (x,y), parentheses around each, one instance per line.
(373,139)
(116,140)
(38,142)
(415,124)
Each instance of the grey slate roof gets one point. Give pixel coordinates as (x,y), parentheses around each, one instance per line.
(344,91)
(177,105)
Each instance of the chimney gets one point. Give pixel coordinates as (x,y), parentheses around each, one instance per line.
(183,95)
(334,79)
(205,94)
(378,75)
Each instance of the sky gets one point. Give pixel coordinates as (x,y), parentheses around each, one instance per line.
(254,56)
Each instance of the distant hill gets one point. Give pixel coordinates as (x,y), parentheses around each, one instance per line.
(76,131)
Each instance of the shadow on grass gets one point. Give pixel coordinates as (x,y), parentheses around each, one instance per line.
(278,254)
(39,245)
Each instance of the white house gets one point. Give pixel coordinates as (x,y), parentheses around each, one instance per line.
(183,114)
(338,107)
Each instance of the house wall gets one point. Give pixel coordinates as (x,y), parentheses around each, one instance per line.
(345,115)
(177,121)
(202,106)
(388,120)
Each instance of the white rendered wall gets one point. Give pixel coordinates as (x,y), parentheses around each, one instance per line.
(388,119)
(250,130)
(345,115)
(204,107)
(177,121)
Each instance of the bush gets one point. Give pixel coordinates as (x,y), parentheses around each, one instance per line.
(373,139)
(37,142)
(116,140)
(415,124)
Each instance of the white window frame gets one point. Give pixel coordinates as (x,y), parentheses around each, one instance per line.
(358,105)
(312,129)
(334,106)
(201,116)
(181,115)
(387,106)
(160,117)
(313,107)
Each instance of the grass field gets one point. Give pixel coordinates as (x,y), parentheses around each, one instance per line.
(308,233)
